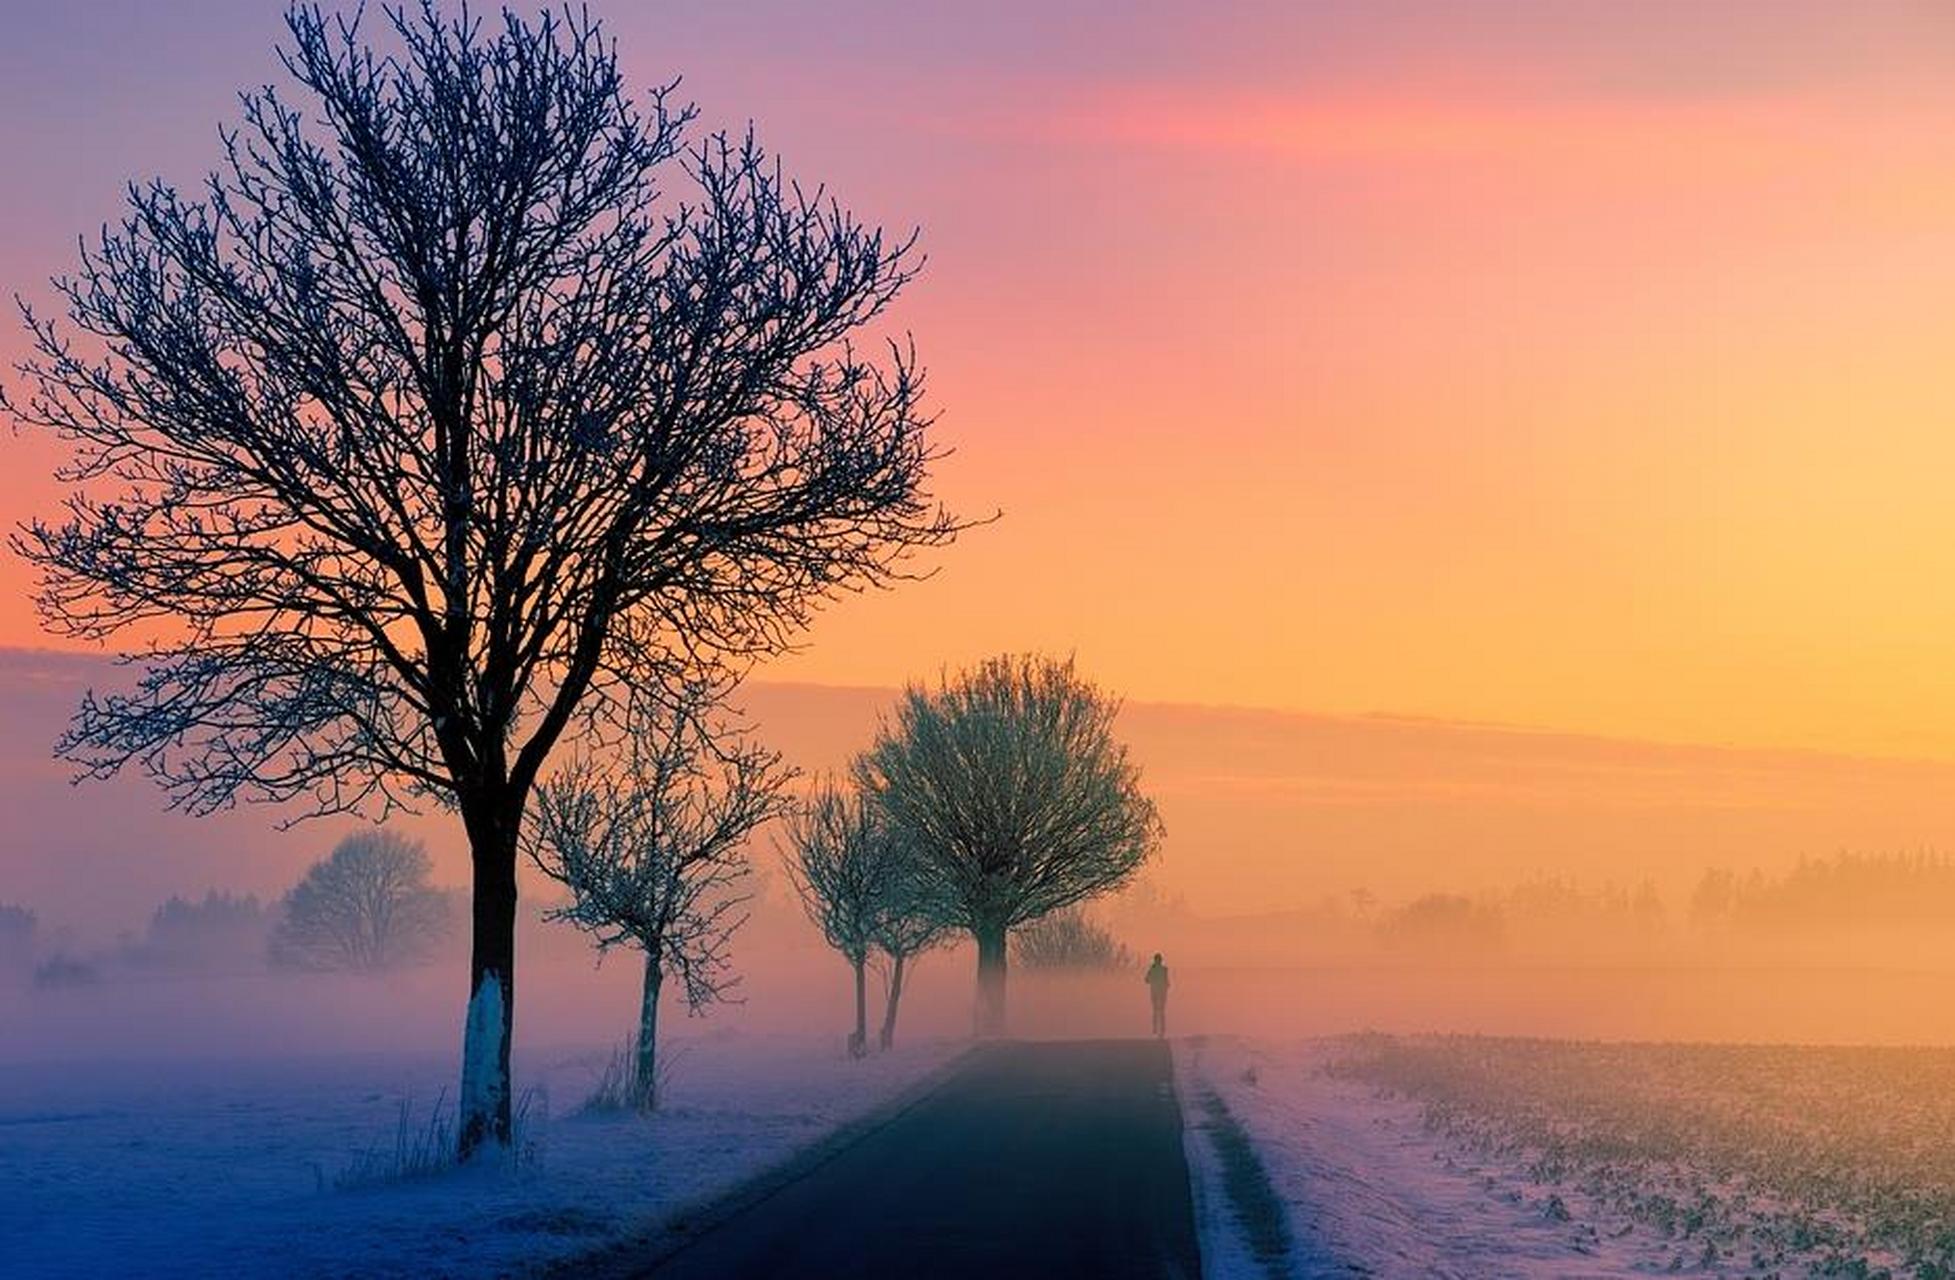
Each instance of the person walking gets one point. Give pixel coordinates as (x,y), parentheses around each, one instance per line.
(1157,990)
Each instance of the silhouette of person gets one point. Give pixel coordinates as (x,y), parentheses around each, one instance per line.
(1157,990)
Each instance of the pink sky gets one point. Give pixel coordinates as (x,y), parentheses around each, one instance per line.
(1574,365)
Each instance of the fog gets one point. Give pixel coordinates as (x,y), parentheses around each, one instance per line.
(1319,874)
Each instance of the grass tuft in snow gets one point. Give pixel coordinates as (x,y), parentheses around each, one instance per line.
(426,1148)
(617,1091)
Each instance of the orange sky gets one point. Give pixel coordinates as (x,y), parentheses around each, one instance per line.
(1567,364)
(1264,810)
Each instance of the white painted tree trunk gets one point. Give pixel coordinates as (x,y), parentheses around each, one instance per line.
(485,1083)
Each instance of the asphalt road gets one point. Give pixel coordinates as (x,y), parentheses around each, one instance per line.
(1034,1159)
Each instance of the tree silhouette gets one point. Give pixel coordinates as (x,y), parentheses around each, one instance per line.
(1017,798)
(366,907)
(434,425)
(846,865)
(909,922)
(1068,941)
(653,853)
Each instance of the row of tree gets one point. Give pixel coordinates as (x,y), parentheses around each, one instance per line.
(981,807)
(991,805)
(984,805)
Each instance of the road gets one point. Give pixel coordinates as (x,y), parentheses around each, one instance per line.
(1033,1159)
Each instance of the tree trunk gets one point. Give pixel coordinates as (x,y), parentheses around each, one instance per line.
(644,1082)
(859,1038)
(990,1019)
(484,1100)
(887,1040)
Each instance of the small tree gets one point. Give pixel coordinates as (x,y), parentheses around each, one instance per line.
(843,864)
(653,853)
(364,908)
(910,921)
(1068,941)
(463,397)
(1017,797)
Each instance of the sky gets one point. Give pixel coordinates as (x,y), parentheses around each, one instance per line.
(1559,364)
(1573,366)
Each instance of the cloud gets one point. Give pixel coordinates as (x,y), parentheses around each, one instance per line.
(1422,123)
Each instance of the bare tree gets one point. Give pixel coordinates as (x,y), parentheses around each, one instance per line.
(365,907)
(843,863)
(909,922)
(654,855)
(433,424)
(1067,940)
(1017,797)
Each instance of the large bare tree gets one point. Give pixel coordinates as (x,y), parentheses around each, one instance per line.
(653,851)
(1017,798)
(466,395)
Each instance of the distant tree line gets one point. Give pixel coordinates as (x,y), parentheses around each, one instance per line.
(1866,893)
(19,929)
(366,908)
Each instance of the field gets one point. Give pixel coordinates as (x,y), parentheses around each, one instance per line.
(1747,1160)
(1464,1156)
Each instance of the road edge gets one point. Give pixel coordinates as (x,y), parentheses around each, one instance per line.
(639,1249)
(1240,1223)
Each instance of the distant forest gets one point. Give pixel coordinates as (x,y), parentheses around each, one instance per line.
(1904,893)
(1844,909)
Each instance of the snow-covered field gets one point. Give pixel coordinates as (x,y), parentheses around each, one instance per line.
(231,1168)
(1485,1158)
(1366,1189)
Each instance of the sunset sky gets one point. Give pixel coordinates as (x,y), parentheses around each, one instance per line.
(1498,455)
(1575,365)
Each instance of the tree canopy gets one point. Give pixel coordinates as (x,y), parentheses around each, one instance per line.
(653,847)
(1017,796)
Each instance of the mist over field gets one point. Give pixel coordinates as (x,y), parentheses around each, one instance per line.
(1320,875)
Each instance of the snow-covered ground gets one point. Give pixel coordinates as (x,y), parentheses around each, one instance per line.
(1366,1189)
(230,1167)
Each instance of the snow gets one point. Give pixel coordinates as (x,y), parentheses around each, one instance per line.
(182,1168)
(1368,1190)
